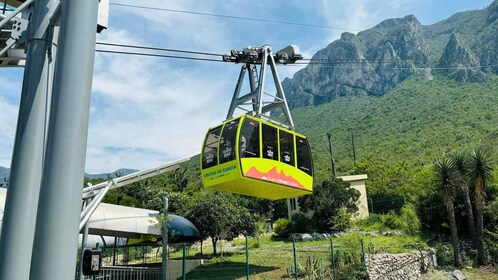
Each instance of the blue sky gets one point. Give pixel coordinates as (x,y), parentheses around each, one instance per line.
(149,111)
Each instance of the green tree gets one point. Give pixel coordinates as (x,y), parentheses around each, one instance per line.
(444,171)
(480,170)
(326,201)
(460,160)
(217,216)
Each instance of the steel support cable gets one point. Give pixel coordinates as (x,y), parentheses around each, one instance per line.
(157,49)
(329,64)
(232,17)
(335,65)
(161,55)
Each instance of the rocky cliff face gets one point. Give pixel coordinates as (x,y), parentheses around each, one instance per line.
(374,61)
(458,63)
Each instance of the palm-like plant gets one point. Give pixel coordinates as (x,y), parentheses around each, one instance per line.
(461,171)
(480,170)
(444,171)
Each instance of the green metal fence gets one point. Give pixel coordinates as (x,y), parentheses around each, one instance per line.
(247,259)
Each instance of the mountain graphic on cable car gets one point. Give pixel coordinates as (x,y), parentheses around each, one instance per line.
(274,176)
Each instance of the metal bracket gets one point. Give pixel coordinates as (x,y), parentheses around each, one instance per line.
(258,102)
(19,30)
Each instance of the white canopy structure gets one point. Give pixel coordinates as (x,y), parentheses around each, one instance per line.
(129,222)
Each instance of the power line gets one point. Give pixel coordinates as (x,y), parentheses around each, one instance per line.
(232,17)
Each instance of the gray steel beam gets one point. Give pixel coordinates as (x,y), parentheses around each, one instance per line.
(55,246)
(280,92)
(29,146)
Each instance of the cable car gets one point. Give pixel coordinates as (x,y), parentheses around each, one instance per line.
(252,156)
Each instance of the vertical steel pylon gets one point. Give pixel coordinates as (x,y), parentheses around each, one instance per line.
(258,102)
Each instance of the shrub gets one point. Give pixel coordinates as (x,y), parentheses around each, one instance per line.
(444,254)
(390,220)
(408,222)
(341,221)
(300,223)
(491,246)
(281,227)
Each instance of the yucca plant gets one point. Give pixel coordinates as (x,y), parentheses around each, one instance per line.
(480,170)
(461,168)
(445,171)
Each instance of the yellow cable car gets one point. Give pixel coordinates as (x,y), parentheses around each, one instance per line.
(251,156)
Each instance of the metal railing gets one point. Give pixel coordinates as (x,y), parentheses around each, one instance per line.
(127,273)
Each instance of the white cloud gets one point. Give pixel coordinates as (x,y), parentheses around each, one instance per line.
(147,111)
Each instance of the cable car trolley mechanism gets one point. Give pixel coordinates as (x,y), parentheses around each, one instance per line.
(258,153)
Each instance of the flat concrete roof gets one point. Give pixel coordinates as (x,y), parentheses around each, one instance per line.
(351,178)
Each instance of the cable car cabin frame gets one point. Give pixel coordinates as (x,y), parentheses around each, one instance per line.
(251,156)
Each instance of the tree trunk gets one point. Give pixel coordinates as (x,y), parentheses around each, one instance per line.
(470,214)
(479,202)
(214,240)
(454,235)
(481,257)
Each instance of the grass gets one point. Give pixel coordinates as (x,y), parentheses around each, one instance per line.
(272,258)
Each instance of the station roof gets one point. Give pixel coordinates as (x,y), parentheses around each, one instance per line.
(129,222)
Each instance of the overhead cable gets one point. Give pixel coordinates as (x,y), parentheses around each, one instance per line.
(159,55)
(232,17)
(156,49)
(322,63)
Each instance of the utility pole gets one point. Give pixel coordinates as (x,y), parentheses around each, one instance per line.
(21,204)
(59,210)
(332,161)
(352,142)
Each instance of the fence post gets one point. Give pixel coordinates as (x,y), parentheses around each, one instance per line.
(184,262)
(95,274)
(323,270)
(296,273)
(247,259)
(164,233)
(332,256)
(363,261)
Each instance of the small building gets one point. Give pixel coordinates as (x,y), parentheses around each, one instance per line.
(355,181)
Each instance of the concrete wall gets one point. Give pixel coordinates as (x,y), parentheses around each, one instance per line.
(175,267)
(358,182)
(400,266)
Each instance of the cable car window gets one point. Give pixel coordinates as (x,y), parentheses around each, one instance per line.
(286,147)
(227,141)
(249,139)
(210,151)
(270,144)
(303,155)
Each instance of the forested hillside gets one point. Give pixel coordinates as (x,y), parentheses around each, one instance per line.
(416,122)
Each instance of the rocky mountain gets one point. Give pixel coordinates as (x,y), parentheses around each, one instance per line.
(373,62)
